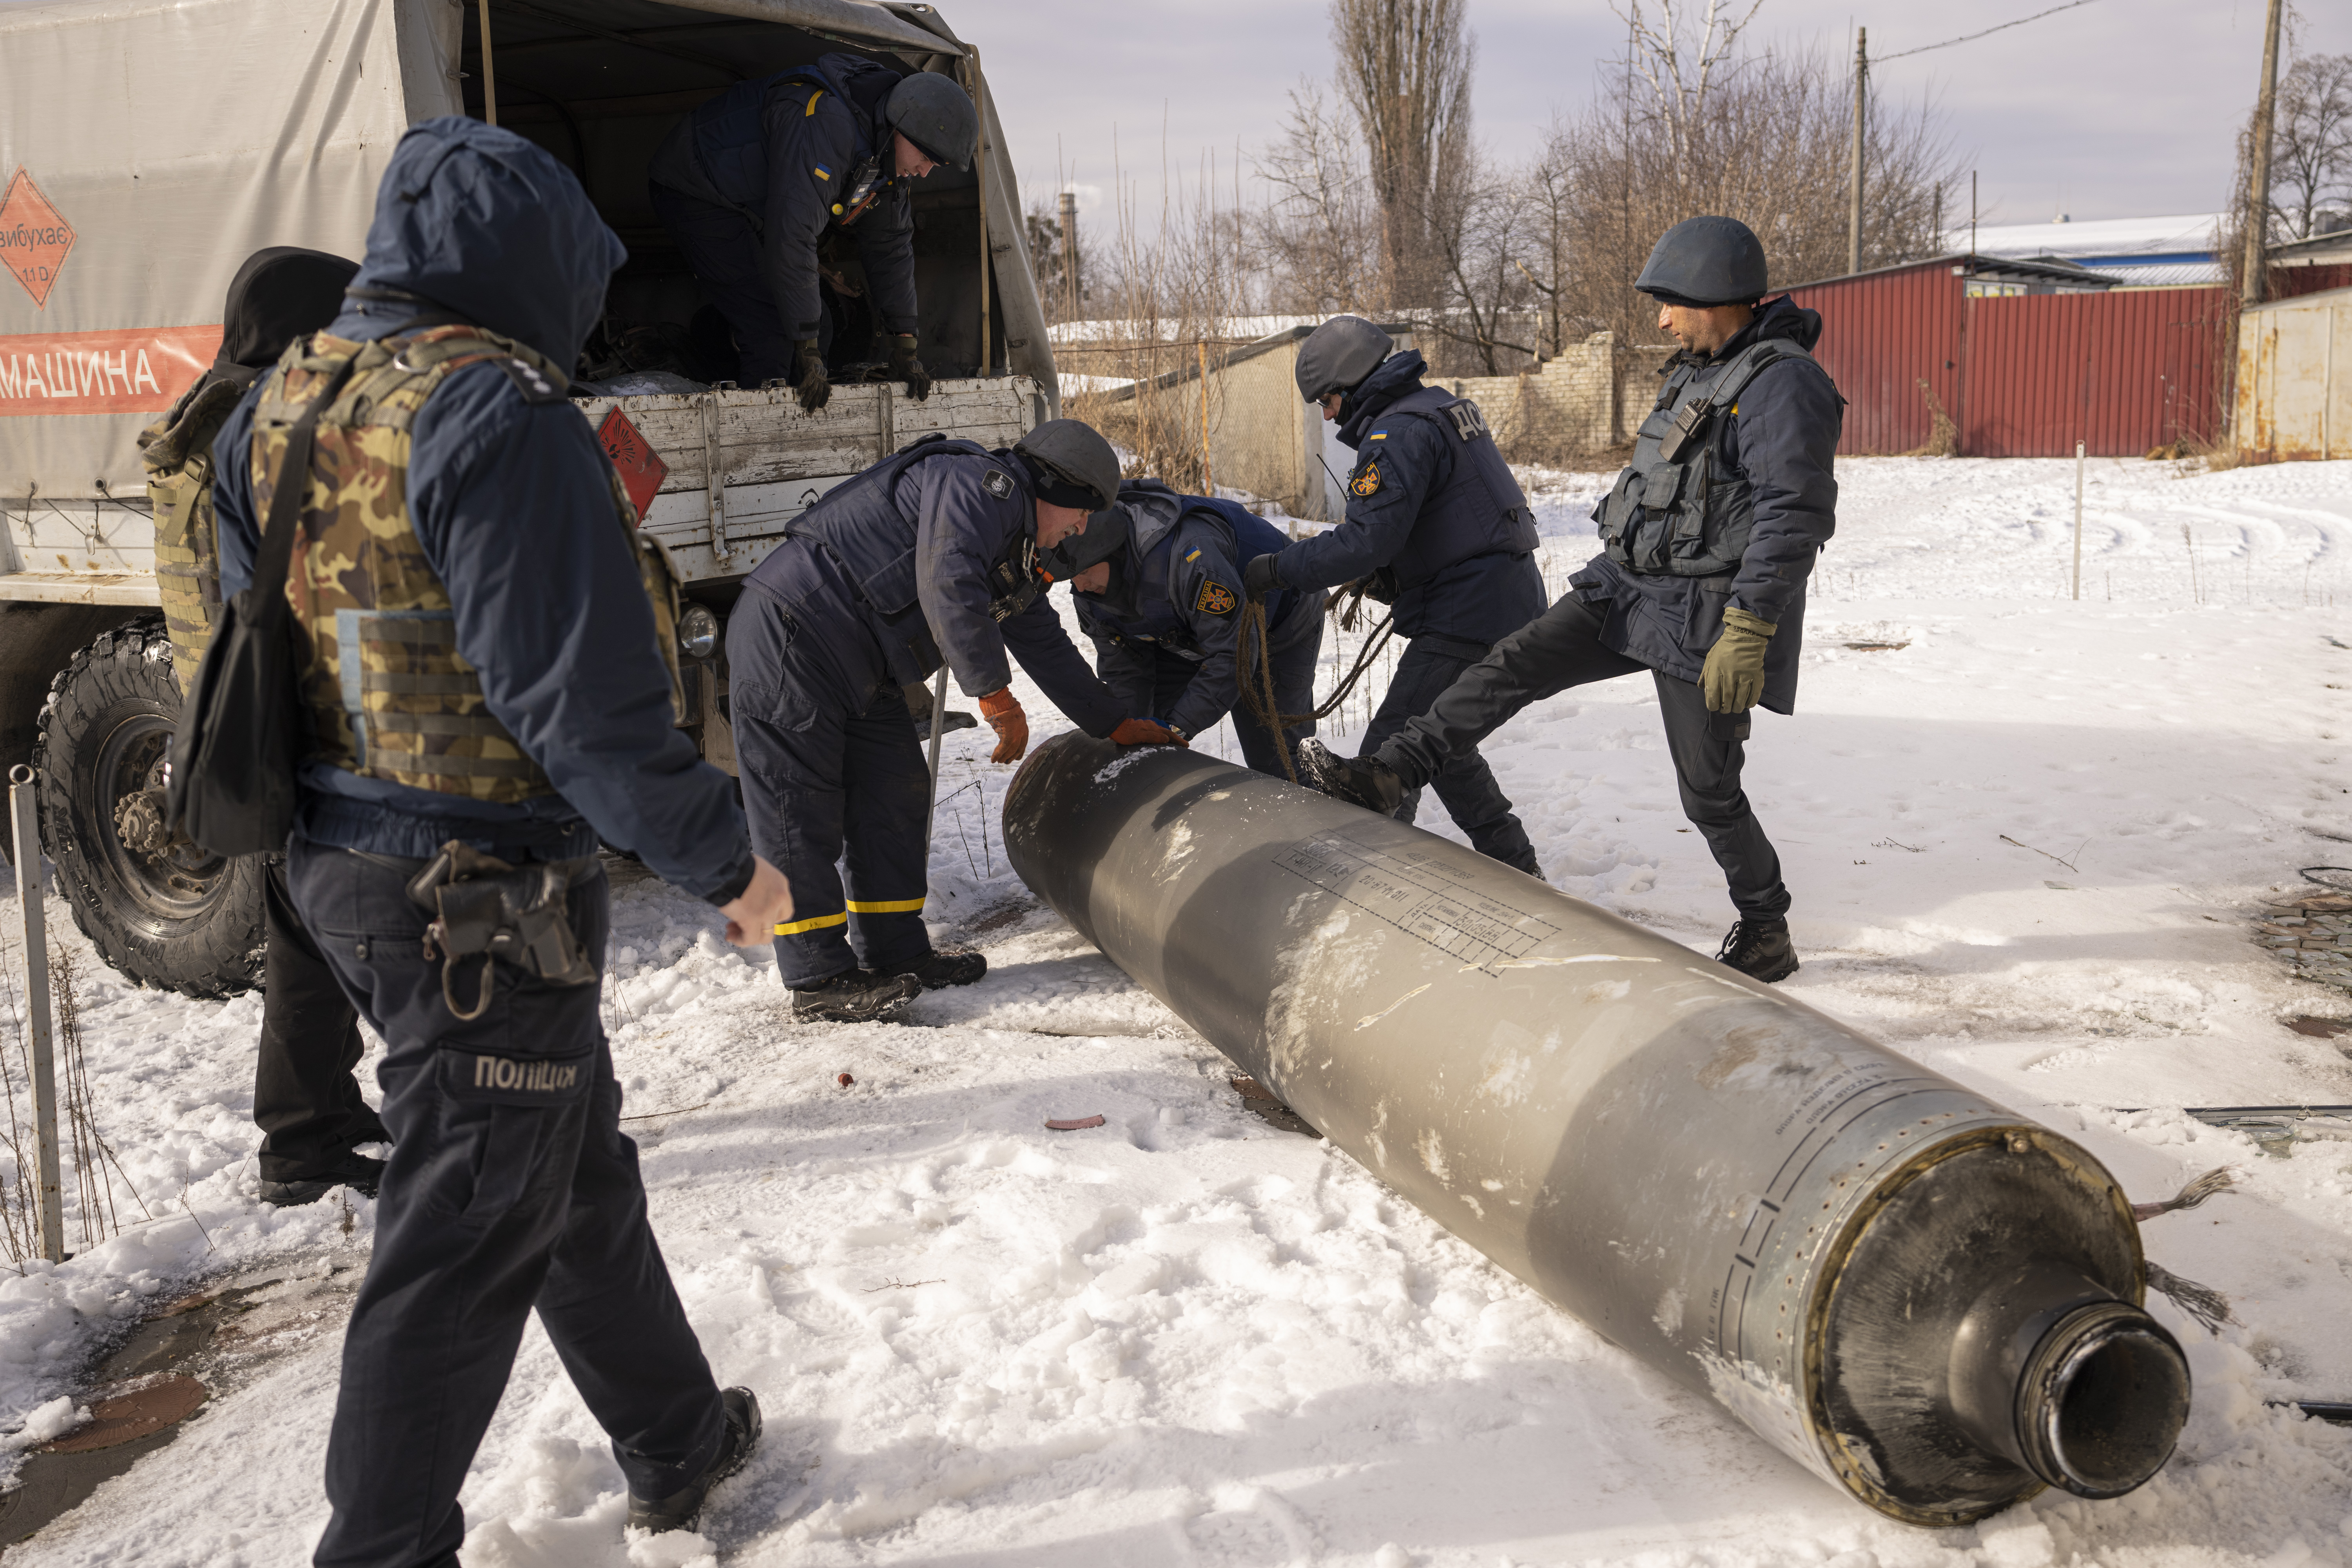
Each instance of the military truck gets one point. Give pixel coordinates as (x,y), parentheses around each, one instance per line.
(147,149)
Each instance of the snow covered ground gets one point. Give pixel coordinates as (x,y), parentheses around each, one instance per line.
(1187,1338)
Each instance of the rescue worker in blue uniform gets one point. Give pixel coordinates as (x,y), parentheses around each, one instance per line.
(929,555)
(1441,532)
(1158,583)
(508,696)
(1707,539)
(789,197)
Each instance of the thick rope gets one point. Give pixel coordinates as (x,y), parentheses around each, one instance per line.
(1253,671)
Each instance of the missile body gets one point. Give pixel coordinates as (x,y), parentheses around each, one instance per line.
(1919,1295)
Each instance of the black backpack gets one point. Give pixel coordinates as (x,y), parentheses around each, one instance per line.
(242,730)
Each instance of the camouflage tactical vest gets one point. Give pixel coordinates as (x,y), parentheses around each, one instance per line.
(387,693)
(177,452)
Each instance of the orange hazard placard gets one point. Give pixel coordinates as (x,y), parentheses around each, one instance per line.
(641,468)
(34,236)
(131,369)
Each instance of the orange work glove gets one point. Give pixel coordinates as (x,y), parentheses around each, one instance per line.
(1003,711)
(1147,732)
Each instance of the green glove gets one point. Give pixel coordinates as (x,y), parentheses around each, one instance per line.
(1733,679)
(815,390)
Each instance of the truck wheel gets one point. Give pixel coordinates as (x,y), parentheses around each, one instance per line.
(182,919)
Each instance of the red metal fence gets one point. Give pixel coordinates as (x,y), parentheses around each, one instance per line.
(2024,376)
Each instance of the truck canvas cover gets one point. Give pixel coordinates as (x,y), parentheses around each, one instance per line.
(130,194)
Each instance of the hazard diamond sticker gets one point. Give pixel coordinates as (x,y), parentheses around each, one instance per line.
(34,238)
(641,468)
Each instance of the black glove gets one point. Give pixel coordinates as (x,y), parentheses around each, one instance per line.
(906,367)
(1259,577)
(815,390)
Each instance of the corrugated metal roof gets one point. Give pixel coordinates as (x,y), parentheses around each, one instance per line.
(2165,274)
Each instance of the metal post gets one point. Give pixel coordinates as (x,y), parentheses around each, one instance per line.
(2078,520)
(1070,256)
(1861,107)
(489,76)
(2251,286)
(938,729)
(51,1197)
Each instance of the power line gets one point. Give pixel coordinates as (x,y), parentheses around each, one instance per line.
(1972,37)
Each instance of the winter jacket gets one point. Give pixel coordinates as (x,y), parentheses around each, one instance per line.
(787,152)
(511,500)
(1782,437)
(1177,588)
(1414,500)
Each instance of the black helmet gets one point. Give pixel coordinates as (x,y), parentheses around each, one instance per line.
(1705,261)
(1338,354)
(936,115)
(1105,535)
(1071,465)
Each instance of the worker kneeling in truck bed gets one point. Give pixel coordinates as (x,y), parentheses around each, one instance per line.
(929,555)
(788,195)
(1158,578)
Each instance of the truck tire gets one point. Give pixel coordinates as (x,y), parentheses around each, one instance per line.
(186,920)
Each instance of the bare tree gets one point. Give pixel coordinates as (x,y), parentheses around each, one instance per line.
(1761,137)
(1319,228)
(1678,67)
(2310,162)
(1405,67)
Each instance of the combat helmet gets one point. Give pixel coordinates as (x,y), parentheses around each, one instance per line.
(1337,355)
(1705,261)
(935,114)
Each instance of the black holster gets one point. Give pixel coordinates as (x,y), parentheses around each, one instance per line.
(482,905)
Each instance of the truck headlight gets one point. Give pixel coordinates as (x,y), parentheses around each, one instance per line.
(698,632)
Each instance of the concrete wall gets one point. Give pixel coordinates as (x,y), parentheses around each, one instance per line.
(2294,379)
(1591,396)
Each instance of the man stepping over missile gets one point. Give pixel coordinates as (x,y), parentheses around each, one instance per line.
(1158,577)
(930,556)
(1706,541)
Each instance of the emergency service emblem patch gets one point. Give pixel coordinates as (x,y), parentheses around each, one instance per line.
(997,482)
(1215,599)
(1367,481)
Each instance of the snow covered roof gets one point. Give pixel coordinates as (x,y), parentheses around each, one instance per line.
(2110,242)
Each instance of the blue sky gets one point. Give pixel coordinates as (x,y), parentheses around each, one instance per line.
(2120,108)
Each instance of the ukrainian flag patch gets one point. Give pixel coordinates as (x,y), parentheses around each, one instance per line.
(821,172)
(1192,555)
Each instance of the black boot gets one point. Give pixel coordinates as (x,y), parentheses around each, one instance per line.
(941,966)
(1360,781)
(683,1508)
(853,996)
(356,1172)
(1760,949)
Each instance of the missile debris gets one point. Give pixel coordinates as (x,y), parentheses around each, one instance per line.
(1919,1295)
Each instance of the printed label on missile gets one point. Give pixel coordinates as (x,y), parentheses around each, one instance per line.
(1411,893)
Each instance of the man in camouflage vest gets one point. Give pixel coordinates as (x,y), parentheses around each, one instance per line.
(487,664)
(305,1099)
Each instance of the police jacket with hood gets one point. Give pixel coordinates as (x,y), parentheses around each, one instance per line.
(1432,503)
(939,542)
(509,505)
(1175,589)
(1766,461)
(797,152)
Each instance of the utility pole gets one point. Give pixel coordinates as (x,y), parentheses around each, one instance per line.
(1854,174)
(1069,256)
(2258,183)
